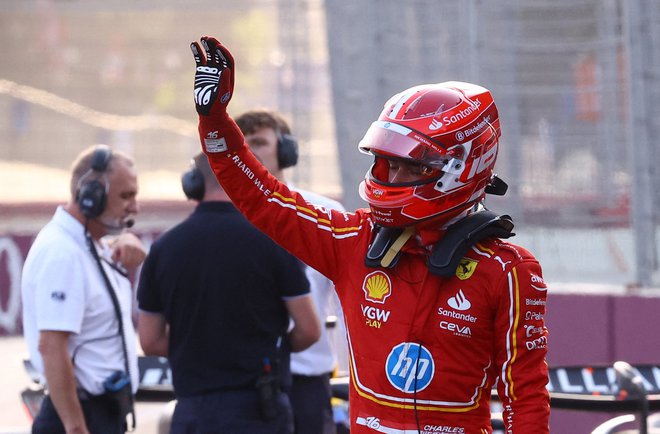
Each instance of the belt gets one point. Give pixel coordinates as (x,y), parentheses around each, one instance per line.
(84,395)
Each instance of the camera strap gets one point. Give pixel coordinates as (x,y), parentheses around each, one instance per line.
(120,322)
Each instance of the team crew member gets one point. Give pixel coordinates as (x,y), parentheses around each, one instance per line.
(215,296)
(72,327)
(270,140)
(437,306)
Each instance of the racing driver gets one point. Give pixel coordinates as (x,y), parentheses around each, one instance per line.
(438,308)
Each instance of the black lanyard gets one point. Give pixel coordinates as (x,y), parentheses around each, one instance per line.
(115,303)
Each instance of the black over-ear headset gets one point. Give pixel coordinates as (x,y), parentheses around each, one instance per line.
(192,180)
(192,183)
(287,150)
(91,195)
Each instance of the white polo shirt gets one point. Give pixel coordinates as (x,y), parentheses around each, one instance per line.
(321,357)
(63,290)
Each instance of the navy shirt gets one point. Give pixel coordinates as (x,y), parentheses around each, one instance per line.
(220,283)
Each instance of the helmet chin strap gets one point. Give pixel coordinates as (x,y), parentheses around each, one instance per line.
(386,246)
(392,254)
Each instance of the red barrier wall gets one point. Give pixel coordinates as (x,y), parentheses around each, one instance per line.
(599,329)
(13,249)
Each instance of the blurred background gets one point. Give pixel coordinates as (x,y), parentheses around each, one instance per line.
(576,83)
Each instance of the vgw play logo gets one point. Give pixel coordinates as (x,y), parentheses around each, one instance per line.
(409,367)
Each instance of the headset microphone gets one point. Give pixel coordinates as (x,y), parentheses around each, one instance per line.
(116,227)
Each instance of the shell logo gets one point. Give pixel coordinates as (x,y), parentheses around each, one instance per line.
(377,287)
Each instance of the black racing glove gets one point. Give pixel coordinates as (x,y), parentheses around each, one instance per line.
(214,87)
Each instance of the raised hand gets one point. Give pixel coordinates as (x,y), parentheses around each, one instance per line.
(214,76)
(214,87)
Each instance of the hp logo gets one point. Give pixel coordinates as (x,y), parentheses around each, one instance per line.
(409,367)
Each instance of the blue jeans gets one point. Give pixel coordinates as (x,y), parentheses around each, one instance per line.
(229,412)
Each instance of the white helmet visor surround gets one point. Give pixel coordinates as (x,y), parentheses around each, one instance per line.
(390,140)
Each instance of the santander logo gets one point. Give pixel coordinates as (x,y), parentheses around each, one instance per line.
(435,124)
(459,301)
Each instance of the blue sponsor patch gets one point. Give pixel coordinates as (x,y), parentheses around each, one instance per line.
(409,367)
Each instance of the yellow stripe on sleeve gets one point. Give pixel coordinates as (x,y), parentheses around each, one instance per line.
(514,341)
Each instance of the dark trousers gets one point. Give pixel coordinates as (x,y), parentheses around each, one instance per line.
(312,409)
(101,415)
(229,412)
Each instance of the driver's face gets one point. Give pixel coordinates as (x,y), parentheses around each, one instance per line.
(401,171)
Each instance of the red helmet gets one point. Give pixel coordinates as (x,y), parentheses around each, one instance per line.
(451,129)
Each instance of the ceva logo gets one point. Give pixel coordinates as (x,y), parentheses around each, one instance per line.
(377,287)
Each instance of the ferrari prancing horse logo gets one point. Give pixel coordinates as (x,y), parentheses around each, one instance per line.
(465,268)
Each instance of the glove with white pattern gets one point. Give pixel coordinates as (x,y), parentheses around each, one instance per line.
(214,87)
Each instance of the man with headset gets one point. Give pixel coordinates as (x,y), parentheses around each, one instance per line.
(215,296)
(269,137)
(77,300)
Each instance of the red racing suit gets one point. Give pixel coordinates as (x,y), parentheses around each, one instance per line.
(425,351)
